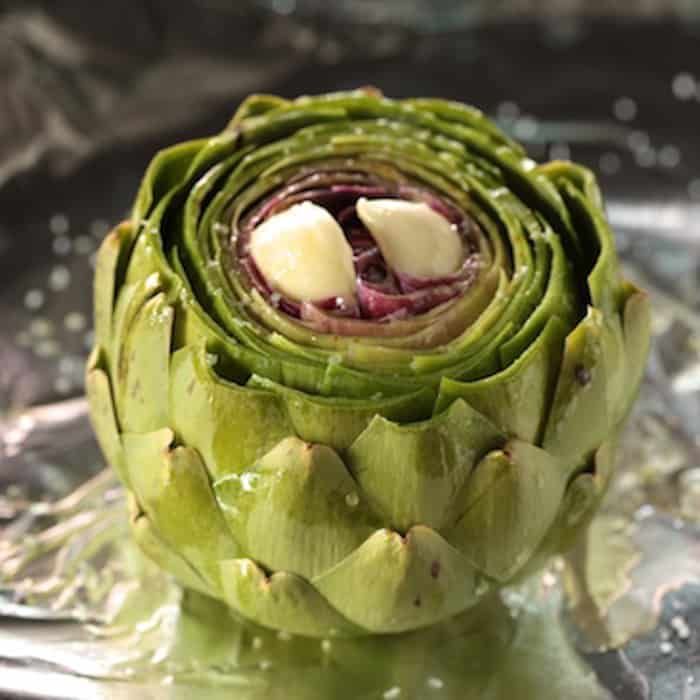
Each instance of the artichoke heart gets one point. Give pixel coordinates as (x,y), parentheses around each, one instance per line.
(355,343)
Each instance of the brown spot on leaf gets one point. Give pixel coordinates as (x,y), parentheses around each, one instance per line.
(435,569)
(582,374)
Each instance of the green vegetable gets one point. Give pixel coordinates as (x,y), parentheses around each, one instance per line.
(331,474)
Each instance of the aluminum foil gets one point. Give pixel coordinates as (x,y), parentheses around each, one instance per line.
(88,97)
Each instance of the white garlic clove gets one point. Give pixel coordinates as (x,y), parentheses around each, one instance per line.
(414,239)
(303,254)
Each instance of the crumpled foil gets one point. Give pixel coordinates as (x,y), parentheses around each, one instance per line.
(89,95)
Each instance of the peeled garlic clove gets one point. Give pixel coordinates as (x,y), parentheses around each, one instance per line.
(414,239)
(303,254)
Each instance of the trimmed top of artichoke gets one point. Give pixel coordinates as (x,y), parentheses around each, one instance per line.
(414,239)
(303,254)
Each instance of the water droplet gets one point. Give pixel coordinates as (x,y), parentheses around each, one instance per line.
(526,128)
(34,299)
(152,281)
(645,157)
(62,385)
(559,151)
(99,228)
(393,692)
(41,328)
(435,683)
(694,188)
(89,339)
(83,245)
(47,348)
(58,224)
(625,109)
(23,339)
(61,245)
(265,664)
(665,647)
(637,140)
(352,499)
(669,156)
(59,279)
(683,86)
(548,579)
(508,111)
(610,163)
(74,321)
(284,7)
(680,627)
(284,636)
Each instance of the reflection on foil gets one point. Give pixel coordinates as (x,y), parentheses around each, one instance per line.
(82,600)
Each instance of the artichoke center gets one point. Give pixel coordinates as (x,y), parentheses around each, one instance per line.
(352,244)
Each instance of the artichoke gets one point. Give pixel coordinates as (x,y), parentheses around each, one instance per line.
(359,361)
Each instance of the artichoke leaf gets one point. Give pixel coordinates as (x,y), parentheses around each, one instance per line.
(110,258)
(229,425)
(144,368)
(636,324)
(102,413)
(512,498)
(154,547)
(172,487)
(297,509)
(590,391)
(412,473)
(517,399)
(338,421)
(405,581)
(282,601)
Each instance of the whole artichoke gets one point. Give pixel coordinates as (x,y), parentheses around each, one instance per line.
(360,361)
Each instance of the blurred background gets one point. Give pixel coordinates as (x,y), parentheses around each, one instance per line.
(88,91)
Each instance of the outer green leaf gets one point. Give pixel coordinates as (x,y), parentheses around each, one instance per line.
(513,497)
(412,473)
(394,583)
(172,487)
(296,510)
(230,426)
(517,400)
(282,601)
